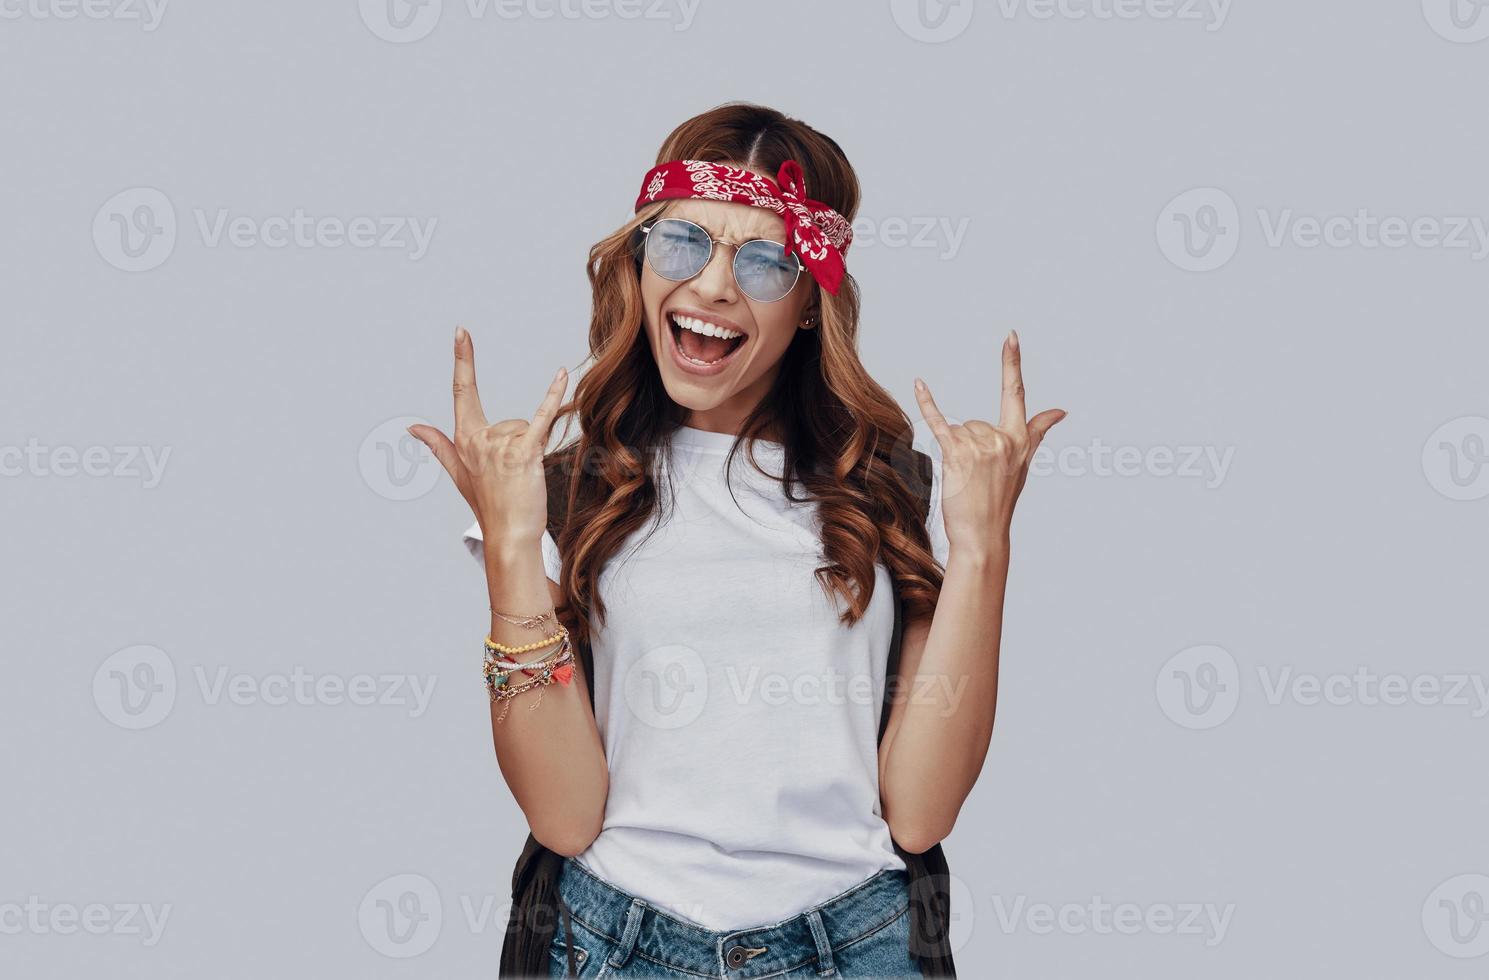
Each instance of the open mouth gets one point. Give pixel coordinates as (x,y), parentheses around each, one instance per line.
(701,342)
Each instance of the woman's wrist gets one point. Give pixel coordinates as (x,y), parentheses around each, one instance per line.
(990,553)
(504,551)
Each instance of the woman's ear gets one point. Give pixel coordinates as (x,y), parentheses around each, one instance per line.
(811,317)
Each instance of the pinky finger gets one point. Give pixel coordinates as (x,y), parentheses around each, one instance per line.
(543,418)
(932,415)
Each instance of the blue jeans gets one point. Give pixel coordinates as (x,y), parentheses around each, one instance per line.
(862,932)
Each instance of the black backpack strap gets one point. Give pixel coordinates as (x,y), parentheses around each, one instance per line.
(930,884)
(919,480)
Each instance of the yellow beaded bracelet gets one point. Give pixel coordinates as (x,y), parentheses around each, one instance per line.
(527,648)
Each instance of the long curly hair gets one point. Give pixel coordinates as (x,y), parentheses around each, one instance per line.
(847,441)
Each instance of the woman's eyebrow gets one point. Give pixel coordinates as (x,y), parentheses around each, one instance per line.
(673,213)
(747,238)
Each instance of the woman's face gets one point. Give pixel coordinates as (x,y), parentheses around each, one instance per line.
(720,395)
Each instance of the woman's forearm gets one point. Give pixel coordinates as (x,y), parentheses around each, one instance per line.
(943,735)
(551,756)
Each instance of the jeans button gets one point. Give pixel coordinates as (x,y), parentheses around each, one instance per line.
(735,957)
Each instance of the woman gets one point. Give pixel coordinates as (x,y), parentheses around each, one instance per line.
(728,808)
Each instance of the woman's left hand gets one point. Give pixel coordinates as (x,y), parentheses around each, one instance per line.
(984,466)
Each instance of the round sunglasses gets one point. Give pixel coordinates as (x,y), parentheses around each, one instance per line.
(678,249)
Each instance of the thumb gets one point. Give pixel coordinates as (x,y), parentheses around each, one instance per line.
(444,450)
(1040,425)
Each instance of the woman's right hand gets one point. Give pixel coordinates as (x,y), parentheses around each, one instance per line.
(497,468)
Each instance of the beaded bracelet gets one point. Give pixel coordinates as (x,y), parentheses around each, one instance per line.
(502,669)
(506,664)
(560,668)
(526,648)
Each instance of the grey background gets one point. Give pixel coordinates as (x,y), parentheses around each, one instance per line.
(271,544)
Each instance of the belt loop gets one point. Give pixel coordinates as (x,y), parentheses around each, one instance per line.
(628,937)
(825,966)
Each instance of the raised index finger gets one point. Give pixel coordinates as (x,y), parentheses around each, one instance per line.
(468,414)
(1012,413)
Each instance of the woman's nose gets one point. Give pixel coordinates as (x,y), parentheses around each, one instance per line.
(716,282)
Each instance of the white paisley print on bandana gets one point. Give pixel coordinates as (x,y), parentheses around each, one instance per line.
(815,232)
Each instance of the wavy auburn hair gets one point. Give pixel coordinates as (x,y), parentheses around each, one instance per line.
(847,442)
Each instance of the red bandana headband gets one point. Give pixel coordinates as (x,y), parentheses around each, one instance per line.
(814,231)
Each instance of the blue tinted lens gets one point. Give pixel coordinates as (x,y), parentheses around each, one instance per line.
(677,249)
(764,271)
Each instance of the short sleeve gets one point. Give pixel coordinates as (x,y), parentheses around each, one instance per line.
(552,565)
(935,525)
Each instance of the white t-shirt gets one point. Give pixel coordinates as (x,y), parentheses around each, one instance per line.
(739,717)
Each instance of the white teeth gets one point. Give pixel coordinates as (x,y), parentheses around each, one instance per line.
(704,327)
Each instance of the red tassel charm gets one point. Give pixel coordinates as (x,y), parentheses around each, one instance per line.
(564,674)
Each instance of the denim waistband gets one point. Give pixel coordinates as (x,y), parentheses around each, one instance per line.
(637,928)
